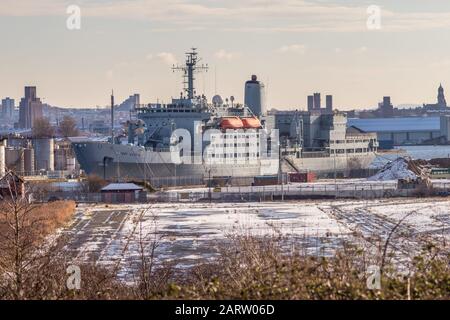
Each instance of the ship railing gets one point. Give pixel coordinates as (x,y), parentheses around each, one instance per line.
(321,154)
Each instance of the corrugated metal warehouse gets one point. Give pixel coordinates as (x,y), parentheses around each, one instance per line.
(401,131)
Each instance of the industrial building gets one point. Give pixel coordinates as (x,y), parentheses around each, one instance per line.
(8,106)
(401,131)
(37,156)
(315,103)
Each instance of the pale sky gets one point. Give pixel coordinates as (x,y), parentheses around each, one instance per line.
(296,47)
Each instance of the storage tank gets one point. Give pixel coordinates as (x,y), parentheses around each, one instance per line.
(44,154)
(2,160)
(15,159)
(255,96)
(71,164)
(60,159)
(29,161)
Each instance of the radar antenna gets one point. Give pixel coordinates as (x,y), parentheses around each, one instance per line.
(189,71)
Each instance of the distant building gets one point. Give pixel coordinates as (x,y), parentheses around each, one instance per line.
(329,103)
(130,103)
(30,109)
(385,108)
(315,103)
(441,102)
(8,106)
(100,126)
(310,103)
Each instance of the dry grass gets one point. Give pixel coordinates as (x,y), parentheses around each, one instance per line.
(54,215)
(46,217)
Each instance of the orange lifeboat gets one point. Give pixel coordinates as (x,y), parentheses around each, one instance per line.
(231,123)
(251,123)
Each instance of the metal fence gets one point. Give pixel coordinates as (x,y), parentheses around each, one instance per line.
(82,197)
(297,192)
(265,193)
(169,182)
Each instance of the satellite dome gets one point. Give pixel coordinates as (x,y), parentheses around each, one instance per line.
(217,100)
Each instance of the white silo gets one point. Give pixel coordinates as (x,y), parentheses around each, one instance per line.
(255,96)
(71,164)
(14,158)
(29,161)
(44,154)
(2,159)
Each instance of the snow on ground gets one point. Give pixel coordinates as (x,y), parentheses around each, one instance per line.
(397,169)
(188,232)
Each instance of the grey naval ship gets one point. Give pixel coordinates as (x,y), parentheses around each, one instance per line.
(192,137)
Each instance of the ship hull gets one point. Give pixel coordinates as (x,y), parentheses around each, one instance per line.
(330,164)
(130,162)
(125,162)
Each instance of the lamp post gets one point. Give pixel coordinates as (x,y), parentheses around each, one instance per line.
(209,184)
(335,175)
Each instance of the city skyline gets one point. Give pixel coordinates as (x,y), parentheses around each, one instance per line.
(295,48)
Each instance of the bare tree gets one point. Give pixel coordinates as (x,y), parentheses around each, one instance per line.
(68,127)
(93,183)
(42,128)
(26,253)
(17,235)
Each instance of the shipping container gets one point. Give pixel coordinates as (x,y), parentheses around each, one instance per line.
(304,177)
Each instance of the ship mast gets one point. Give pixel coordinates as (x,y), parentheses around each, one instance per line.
(189,70)
(112,117)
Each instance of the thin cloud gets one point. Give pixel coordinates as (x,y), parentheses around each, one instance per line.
(362,50)
(293,48)
(168,58)
(279,16)
(226,55)
(109,74)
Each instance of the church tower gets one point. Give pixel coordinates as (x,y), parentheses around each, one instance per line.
(442,103)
